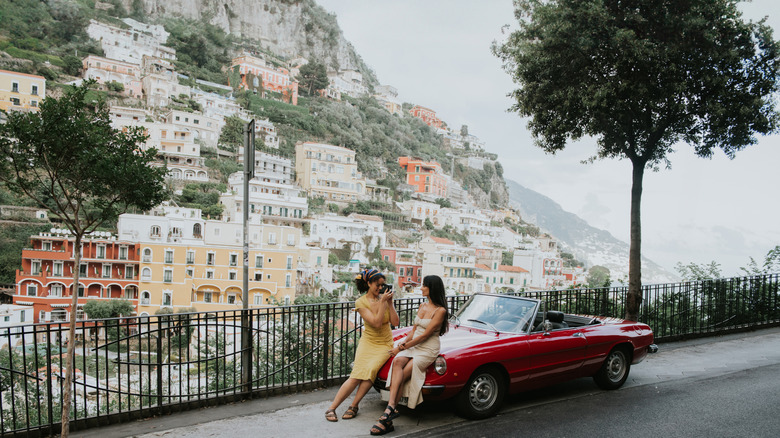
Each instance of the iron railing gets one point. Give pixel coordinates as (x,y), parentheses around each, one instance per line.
(128,368)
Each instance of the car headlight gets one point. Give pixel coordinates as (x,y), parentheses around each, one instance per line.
(440,365)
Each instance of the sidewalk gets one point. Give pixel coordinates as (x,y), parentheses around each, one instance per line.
(303,414)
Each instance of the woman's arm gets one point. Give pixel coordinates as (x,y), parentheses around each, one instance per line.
(373,315)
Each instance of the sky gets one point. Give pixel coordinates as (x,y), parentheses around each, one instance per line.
(437,54)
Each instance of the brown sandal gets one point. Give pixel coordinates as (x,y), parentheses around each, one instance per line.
(330,415)
(351,413)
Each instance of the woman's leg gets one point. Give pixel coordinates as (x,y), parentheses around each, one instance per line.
(344,392)
(365,385)
(404,374)
(397,380)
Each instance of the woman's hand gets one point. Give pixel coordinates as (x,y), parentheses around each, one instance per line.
(395,351)
(386,297)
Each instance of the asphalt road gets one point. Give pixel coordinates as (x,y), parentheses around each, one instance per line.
(741,404)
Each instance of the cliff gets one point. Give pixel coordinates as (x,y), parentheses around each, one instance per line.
(288,28)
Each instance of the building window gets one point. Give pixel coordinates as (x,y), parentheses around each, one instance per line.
(401,271)
(59,315)
(257,299)
(146,274)
(55,290)
(190,257)
(32,290)
(196,231)
(83,270)
(35,267)
(16,101)
(14,87)
(206,297)
(81,290)
(272,238)
(147,255)
(210,259)
(231,299)
(189,272)
(286,301)
(46,246)
(168,276)
(146,298)
(101,251)
(155,231)
(289,262)
(122,253)
(168,256)
(34,90)
(210,273)
(233,275)
(106,271)
(233,259)
(288,280)
(290,237)
(167,299)
(129,272)
(259,261)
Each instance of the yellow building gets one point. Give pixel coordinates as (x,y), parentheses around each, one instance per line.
(329,171)
(188,262)
(21,91)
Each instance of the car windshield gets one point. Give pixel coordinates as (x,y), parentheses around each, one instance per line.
(504,314)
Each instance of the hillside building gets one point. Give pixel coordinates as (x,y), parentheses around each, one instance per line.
(329,172)
(105,70)
(257,74)
(203,128)
(349,82)
(388,96)
(160,82)
(271,196)
(12,316)
(131,44)
(21,91)
(426,177)
(108,270)
(362,233)
(427,115)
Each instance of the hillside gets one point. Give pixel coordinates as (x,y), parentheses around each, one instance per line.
(587,243)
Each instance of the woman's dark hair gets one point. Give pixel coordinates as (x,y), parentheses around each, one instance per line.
(365,277)
(438,297)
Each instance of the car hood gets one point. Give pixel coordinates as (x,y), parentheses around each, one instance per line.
(458,337)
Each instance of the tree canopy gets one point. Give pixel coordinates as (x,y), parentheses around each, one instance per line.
(68,158)
(642,76)
(312,78)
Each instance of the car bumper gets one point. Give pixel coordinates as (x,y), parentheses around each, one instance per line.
(652,348)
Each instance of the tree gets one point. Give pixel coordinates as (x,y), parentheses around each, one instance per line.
(598,276)
(428,224)
(69,159)
(313,77)
(695,272)
(99,309)
(771,263)
(507,258)
(641,76)
(232,135)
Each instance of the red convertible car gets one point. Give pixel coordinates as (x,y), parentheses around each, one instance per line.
(499,344)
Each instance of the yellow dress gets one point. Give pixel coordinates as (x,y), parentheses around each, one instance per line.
(374,346)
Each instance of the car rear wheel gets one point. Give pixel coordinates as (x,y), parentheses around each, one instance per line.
(614,371)
(483,394)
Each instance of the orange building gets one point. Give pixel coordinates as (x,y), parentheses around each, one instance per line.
(256,73)
(426,177)
(109,270)
(427,115)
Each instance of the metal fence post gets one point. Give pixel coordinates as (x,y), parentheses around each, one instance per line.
(159,365)
(326,343)
(49,391)
(246,351)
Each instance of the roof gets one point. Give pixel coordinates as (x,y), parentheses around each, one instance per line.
(442,240)
(366,217)
(508,268)
(481,266)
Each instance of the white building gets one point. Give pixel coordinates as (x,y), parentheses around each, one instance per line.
(363,233)
(105,70)
(160,82)
(418,211)
(11,316)
(204,128)
(349,82)
(131,45)
(275,200)
(388,96)
(453,263)
(216,105)
(543,261)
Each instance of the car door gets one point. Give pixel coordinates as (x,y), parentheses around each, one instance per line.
(555,355)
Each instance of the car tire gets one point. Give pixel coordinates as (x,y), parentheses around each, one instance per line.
(614,371)
(483,395)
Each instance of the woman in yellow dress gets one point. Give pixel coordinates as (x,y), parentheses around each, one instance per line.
(378,313)
(415,353)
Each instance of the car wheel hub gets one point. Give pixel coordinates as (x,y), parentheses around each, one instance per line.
(616,367)
(483,392)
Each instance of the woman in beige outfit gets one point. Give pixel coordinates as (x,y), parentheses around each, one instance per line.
(415,353)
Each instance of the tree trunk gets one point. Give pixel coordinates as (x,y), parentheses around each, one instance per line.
(634,297)
(70,370)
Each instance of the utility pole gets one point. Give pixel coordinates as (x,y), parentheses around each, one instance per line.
(246,317)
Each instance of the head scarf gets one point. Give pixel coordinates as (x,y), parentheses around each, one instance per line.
(368,275)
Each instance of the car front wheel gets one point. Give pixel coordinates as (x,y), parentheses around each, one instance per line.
(614,371)
(483,394)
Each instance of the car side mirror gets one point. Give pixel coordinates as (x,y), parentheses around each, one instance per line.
(547,326)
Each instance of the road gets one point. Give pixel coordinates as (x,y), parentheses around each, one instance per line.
(713,387)
(740,404)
